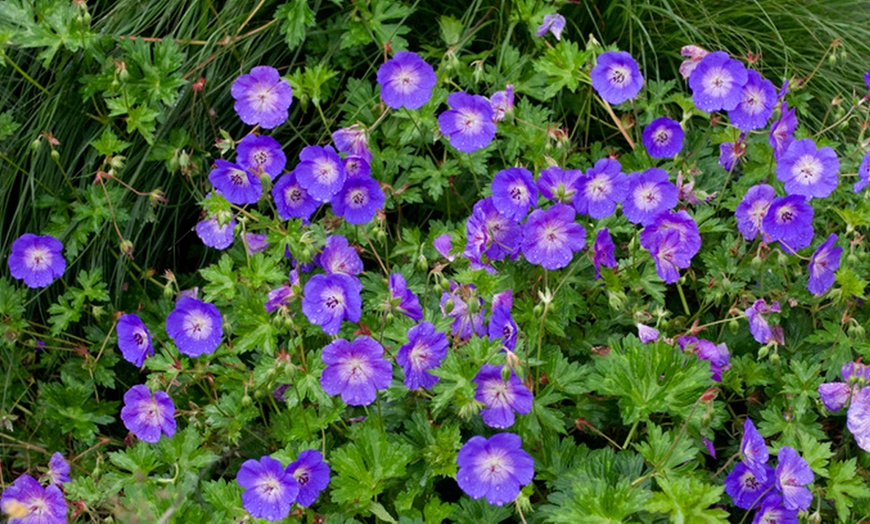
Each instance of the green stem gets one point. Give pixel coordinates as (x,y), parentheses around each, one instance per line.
(630,434)
(683,300)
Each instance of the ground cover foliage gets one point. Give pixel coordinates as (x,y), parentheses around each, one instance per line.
(113,116)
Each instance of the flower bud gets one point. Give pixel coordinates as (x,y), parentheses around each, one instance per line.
(538,310)
(55,155)
(247,400)
(422,263)
(734,326)
(448,306)
(774,358)
(36,144)
(762,352)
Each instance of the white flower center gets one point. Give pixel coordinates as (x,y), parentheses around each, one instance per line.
(619,75)
(197,325)
(807,170)
(38,258)
(717,82)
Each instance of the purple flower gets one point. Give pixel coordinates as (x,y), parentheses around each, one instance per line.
(616,77)
(502,325)
(195,327)
(134,339)
(502,102)
(443,244)
(746,488)
(682,223)
(238,185)
(58,469)
(559,185)
(858,418)
(603,251)
(863,174)
(754,450)
(731,153)
(649,193)
(406,80)
(311,473)
(782,131)
(147,415)
(262,97)
(758,325)
(490,233)
(27,502)
(338,257)
(355,370)
(352,140)
(808,171)
(278,297)
(668,257)
(756,104)
(501,398)
(553,23)
(291,199)
(647,334)
(789,220)
(261,154)
(834,395)
(792,474)
(37,260)
(465,321)
(717,82)
(255,243)
(551,237)
(359,200)
(513,192)
(330,299)
(867,79)
(663,138)
(468,123)
(269,490)
(495,468)
(752,209)
(425,350)
(603,186)
(716,354)
(320,172)
(215,235)
(823,264)
(357,167)
(403,298)
(773,512)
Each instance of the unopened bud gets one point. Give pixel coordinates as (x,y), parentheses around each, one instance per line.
(36,144)
(774,358)
(247,400)
(55,155)
(127,248)
(448,306)
(763,351)
(734,326)
(422,263)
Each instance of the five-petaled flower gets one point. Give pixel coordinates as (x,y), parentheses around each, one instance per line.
(406,80)
(502,398)
(355,370)
(195,326)
(330,299)
(148,416)
(425,350)
(27,502)
(262,97)
(495,468)
(616,77)
(551,237)
(270,490)
(468,123)
(37,260)
(663,138)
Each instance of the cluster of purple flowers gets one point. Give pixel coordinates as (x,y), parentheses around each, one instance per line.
(778,494)
(271,489)
(855,391)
